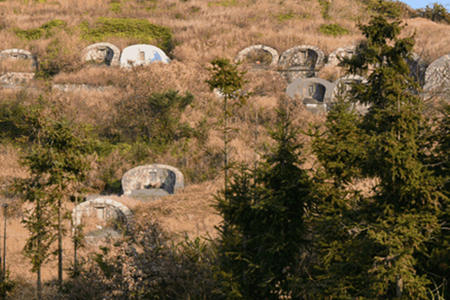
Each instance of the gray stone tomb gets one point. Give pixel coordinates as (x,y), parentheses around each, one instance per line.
(300,62)
(437,78)
(19,56)
(315,93)
(141,55)
(258,57)
(17,67)
(342,88)
(152,181)
(102,210)
(336,56)
(417,68)
(102,54)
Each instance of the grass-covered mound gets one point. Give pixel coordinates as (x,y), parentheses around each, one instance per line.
(141,30)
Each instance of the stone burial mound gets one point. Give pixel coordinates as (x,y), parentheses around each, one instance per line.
(101,218)
(342,88)
(258,57)
(152,181)
(141,55)
(301,62)
(315,93)
(105,54)
(337,55)
(17,67)
(437,78)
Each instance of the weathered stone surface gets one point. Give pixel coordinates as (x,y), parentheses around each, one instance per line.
(102,54)
(337,55)
(437,78)
(68,87)
(417,67)
(258,57)
(140,55)
(104,235)
(315,93)
(342,88)
(19,56)
(300,62)
(16,79)
(154,180)
(102,208)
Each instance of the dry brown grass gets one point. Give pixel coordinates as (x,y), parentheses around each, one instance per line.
(202,30)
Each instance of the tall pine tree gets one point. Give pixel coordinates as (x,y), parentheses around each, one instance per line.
(383,231)
(264,232)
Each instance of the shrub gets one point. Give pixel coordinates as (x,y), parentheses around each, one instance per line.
(333,29)
(389,8)
(141,30)
(159,270)
(46,30)
(437,13)
(56,58)
(325,8)
(154,119)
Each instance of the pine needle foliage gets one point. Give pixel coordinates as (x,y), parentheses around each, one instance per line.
(376,240)
(57,164)
(264,232)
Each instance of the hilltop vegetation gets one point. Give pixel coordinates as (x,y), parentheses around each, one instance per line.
(168,114)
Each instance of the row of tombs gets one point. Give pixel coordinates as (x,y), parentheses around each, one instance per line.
(102,217)
(19,66)
(298,65)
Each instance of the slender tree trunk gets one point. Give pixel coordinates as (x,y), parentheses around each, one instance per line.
(5,210)
(225,141)
(38,252)
(256,138)
(60,250)
(75,261)
(39,285)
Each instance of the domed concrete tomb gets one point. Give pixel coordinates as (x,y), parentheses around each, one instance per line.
(437,78)
(342,88)
(337,55)
(315,93)
(152,180)
(300,62)
(101,217)
(258,57)
(140,55)
(102,54)
(18,60)
(417,68)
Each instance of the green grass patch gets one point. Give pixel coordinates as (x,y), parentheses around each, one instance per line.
(333,29)
(324,8)
(139,30)
(115,6)
(46,30)
(291,15)
(224,3)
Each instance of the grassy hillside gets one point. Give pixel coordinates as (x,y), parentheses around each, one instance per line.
(192,32)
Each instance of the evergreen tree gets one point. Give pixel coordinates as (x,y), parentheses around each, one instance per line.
(382,232)
(57,164)
(227,80)
(264,232)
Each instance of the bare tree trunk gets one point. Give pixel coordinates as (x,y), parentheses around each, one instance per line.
(39,285)
(225,140)
(60,250)
(5,208)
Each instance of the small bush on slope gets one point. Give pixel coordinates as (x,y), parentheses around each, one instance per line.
(46,30)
